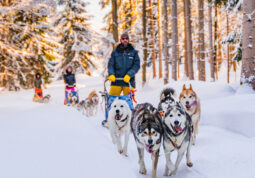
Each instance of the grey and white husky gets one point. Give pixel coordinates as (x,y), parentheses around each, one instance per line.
(177,136)
(85,106)
(147,129)
(168,98)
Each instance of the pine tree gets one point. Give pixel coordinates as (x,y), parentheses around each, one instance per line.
(160,37)
(115,21)
(152,38)
(189,40)
(24,46)
(175,40)
(201,42)
(144,42)
(76,36)
(165,42)
(248,58)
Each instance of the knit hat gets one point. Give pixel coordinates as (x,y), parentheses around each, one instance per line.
(124,35)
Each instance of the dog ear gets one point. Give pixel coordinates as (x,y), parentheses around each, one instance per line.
(183,87)
(162,96)
(155,111)
(190,87)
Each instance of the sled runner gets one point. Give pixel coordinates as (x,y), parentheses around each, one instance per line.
(110,98)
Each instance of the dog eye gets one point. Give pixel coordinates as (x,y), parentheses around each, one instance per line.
(190,96)
(184,97)
(153,132)
(171,115)
(115,106)
(122,106)
(179,115)
(145,132)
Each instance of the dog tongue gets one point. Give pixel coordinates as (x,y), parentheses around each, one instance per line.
(178,129)
(118,117)
(149,148)
(188,106)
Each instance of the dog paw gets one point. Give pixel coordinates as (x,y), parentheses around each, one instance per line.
(120,151)
(125,153)
(173,172)
(165,174)
(189,164)
(143,171)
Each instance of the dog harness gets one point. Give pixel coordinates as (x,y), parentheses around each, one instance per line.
(121,121)
(175,135)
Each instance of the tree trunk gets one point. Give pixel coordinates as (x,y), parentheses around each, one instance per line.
(115,21)
(248,41)
(201,42)
(144,43)
(152,43)
(186,69)
(175,40)
(165,42)
(189,40)
(215,39)
(160,38)
(228,60)
(211,50)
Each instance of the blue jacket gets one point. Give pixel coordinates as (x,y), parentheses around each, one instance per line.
(69,78)
(124,61)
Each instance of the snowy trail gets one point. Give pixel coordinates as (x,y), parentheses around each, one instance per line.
(54,141)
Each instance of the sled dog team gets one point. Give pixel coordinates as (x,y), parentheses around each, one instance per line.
(174,124)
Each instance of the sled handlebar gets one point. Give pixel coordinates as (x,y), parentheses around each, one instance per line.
(117,79)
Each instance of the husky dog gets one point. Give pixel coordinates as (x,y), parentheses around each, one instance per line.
(119,123)
(45,99)
(94,98)
(167,99)
(36,98)
(85,107)
(189,100)
(73,98)
(147,129)
(177,135)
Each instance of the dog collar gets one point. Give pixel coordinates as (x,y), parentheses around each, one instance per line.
(121,121)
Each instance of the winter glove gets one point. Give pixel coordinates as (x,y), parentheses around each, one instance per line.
(112,78)
(126,78)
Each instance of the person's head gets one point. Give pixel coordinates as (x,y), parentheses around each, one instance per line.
(69,69)
(38,75)
(124,39)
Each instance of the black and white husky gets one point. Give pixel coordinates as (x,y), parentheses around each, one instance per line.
(119,124)
(177,136)
(147,129)
(73,98)
(168,98)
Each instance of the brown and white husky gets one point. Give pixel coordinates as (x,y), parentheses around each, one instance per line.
(189,100)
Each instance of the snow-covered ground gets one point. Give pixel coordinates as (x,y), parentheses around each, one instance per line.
(56,141)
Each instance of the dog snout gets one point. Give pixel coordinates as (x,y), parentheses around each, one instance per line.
(187,102)
(117,111)
(150,141)
(176,122)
